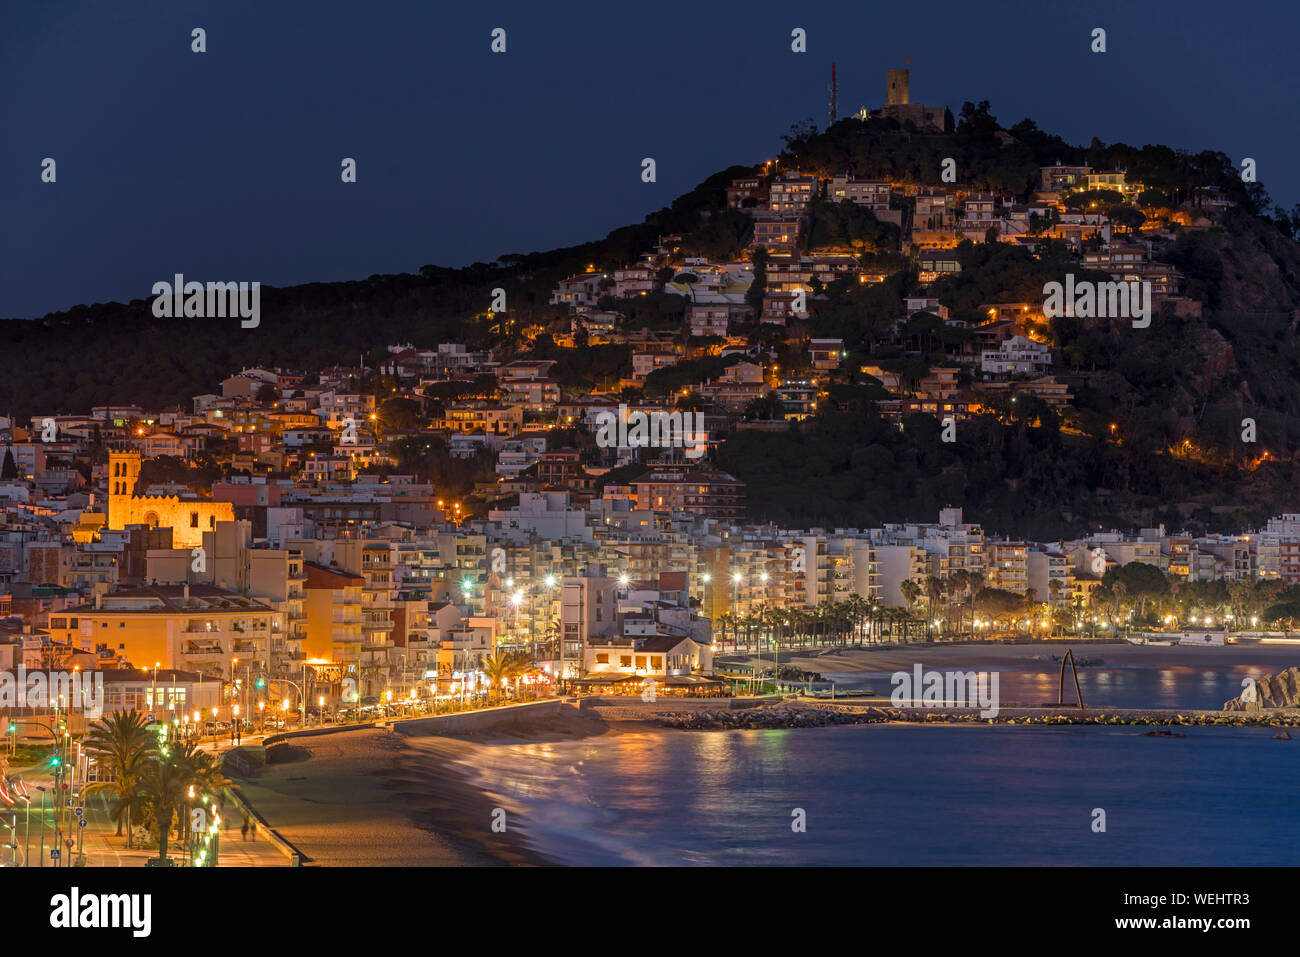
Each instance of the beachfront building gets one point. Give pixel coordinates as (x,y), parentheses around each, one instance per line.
(332,605)
(645,665)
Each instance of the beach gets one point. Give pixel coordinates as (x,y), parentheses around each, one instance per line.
(379,796)
(402,796)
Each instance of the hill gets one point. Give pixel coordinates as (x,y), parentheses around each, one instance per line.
(1154,434)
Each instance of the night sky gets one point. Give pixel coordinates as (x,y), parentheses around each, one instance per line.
(225,165)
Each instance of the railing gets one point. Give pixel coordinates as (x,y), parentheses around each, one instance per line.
(205,650)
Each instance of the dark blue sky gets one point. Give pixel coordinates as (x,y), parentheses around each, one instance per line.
(225,165)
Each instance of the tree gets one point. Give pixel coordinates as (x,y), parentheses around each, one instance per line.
(767,406)
(758,288)
(267,394)
(1054,588)
(1138,580)
(1126,217)
(910,590)
(999,603)
(163,787)
(120,743)
(204,774)
(399,412)
(500,668)
(933,586)
(10,468)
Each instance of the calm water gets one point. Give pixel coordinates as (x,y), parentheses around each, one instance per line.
(905,795)
(1197,686)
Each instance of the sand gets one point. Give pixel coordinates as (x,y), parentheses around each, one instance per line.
(383,797)
(394,798)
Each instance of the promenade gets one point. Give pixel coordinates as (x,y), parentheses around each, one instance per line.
(103,848)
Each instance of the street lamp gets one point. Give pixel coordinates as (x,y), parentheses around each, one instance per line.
(735,581)
(153,693)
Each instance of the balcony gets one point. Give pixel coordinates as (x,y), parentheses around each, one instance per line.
(201,649)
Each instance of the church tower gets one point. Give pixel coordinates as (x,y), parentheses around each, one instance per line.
(123,471)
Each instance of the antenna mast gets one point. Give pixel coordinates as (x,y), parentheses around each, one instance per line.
(835,96)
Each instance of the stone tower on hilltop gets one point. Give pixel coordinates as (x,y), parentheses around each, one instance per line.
(896,87)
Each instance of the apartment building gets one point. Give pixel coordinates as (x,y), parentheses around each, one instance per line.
(191,627)
(791,192)
(871,194)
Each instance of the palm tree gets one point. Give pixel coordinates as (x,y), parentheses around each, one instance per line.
(872,611)
(819,622)
(957,582)
(726,621)
(203,773)
(520,664)
(933,592)
(974,582)
(164,787)
(121,744)
(911,592)
(854,607)
(1054,589)
(498,668)
(1119,590)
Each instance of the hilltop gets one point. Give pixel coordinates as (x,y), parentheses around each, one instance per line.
(1153,431)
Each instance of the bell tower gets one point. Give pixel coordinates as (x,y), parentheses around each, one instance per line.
(123,471)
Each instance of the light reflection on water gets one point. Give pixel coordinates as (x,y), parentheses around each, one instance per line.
(905,795)
(1178,686)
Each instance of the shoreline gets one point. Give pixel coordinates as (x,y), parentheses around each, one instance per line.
(816,713)
(981,654)
(401,796)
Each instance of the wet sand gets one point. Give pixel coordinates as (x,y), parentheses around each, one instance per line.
(399,798)
(387,798)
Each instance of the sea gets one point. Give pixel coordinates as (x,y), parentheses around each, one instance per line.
(913,795)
